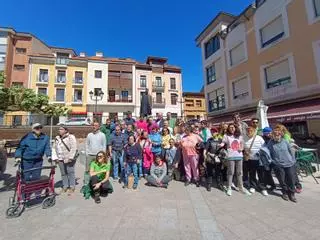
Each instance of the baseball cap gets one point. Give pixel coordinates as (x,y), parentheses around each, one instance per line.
(36,125)
(267,130)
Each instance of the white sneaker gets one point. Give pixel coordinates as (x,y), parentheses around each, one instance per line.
(229,191)
(252,190)
(264,193)
(234,187)
(245,191)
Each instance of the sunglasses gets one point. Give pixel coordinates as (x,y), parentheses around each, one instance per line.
(38,128)
(255,122)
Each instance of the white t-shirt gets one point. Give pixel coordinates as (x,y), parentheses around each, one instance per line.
(256,146)
(233,147)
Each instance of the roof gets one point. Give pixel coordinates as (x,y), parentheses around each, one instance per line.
(246,14)
(157,59)
(64,50)
(220,17)
(193,94)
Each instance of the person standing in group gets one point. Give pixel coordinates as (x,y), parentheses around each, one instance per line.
(156,140)
(150,124)
(171,121)
(166,125)
(166,136)
(95,142)
(129,119)
(233,141)
(132,156)
(160,120)
(123,126)
(158,174)
(223,129)
(205,132)
(32,147)
(65,152)
(176,135)
(252,145)
(213,161)
(114,122)
(99,176)
(106,129)
(283,163)
(255,124)
(116,145)
(171,157)
(242,126)
(147,156)
(190,156)
(141,124)
(130,131)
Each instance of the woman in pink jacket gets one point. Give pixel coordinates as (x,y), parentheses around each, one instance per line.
(146,145)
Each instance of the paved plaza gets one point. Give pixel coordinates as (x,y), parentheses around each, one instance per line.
(174,213)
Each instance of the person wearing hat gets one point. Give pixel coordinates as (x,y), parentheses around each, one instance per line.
(267,134)
(129,120)
(64,152)
(32,147)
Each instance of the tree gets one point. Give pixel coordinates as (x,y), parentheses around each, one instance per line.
(2,79)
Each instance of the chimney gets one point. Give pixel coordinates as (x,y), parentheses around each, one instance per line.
(82,54)
(99,54)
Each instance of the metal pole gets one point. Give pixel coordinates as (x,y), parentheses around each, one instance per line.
(95,108)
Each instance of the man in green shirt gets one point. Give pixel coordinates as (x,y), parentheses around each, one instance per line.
(106,129)
(172,121)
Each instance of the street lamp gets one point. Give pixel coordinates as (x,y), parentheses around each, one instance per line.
(181,105)
(96,96)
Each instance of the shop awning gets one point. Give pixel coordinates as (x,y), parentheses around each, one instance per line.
(78,113)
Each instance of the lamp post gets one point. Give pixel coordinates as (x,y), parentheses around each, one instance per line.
(96,96)
(181,105)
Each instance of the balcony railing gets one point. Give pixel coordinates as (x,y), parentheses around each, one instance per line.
(61,80)
(42,78)
(120,99)
(158,87)
(159,103)
(78,81)
(62,61)
(59,99)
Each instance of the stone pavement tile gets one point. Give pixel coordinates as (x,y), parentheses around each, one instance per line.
(166,212)
(112,222)
(186,213)
(51,233)
(211,236)
(167,224)
(227,234)
(184,203)
(233,218)
(306,230)
(284,234)
(122,234)
(165,203)
(136,223)
(143,234)
(150,212)
(203,213)
(190,235)
(146,223)
(207,225)
(167,235)
(189,225)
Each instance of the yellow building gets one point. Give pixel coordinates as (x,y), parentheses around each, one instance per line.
(62,77)
(194,105)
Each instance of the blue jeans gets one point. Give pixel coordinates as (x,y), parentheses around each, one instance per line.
(32,175)
(140,168)
(132,168)
(117,157)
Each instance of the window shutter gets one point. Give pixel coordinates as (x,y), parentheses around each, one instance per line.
(240,86)
(237,54)
(273,29)
(278,71)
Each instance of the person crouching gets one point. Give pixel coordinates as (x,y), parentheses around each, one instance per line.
(158,174)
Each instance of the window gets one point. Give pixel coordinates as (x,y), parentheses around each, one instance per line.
(211,74)
(212,46)
(237,54)
(240,88)
(216,100)
(174,98)
(21,50)
(189,103)
(77,95)
(124,94)
(62,58)
(158,98)
(61,77)
(98,74)
(78,77)
(277,74)
(143,81)
(60,94)
(18,67)
(316,4)
(158,82)
(42,91)
(272,32)
(43,75)
(173,83)
(198,103)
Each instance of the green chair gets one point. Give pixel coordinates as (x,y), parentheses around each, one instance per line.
(304,164)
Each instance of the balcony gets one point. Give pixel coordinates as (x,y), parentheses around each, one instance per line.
(158,87)
(120,99)
(159,103)
(62,62)
(60,80)
(77,81)
(42,79)
(76,100)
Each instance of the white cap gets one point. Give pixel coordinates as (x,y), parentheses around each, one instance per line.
(35,125)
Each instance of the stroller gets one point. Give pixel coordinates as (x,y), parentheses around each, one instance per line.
(25,191)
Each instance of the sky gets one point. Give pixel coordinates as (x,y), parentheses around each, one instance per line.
(123,28)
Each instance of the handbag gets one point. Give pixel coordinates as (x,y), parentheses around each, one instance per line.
(76,155)
(246,152)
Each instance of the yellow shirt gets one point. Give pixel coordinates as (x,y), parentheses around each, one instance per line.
(165,141)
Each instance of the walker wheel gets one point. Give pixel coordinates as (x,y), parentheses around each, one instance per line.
(49,202)
(15,210)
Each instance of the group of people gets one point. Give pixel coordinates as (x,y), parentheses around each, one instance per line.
(235,155)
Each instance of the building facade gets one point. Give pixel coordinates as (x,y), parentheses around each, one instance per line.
(164,83)
(269,52)
(194,106)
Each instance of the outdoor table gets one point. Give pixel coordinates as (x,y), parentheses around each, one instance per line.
(315,152)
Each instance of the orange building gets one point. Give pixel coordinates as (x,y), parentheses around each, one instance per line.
(194,106)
